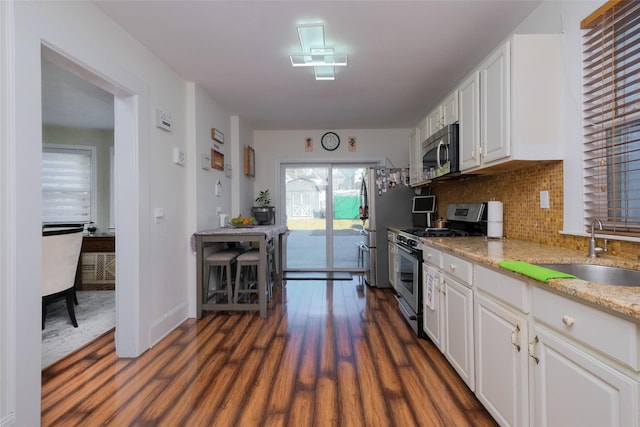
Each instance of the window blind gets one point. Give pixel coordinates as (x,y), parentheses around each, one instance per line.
(66,185)
(611,113)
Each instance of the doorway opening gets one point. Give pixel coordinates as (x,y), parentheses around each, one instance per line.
(78,123)
(321,204)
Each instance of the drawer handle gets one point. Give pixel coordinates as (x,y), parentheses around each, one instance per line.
(515,334)
(452,267)
(532,350)
(429,255)
(568,320)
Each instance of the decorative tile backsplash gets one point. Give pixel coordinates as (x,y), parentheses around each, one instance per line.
(519,191)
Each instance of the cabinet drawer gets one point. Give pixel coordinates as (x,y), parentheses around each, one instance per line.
(611,335)
(458,268)
(391,236)
(432,256)
(504,288)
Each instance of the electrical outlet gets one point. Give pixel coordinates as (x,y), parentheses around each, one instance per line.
(178,156)
(544,199)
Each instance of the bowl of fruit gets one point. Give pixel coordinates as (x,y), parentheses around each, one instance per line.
(243,222)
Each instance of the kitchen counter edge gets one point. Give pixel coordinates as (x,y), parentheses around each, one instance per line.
(623,300)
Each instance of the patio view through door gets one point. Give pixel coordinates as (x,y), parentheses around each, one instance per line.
(322,204)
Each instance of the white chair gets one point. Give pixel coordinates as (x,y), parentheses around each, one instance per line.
(61,248)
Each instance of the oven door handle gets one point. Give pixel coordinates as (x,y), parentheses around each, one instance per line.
(409,251)
(401,303)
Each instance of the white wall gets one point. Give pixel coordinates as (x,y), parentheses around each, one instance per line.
(243,184)
(565,17)
(152,257)
(276,147)
(209,114)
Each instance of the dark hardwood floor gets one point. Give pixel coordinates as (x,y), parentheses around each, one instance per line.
(329,354)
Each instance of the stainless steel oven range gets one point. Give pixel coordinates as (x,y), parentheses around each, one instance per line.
(409,280)
(463,219)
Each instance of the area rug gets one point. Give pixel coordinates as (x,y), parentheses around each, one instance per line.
(95,313)
(317,275)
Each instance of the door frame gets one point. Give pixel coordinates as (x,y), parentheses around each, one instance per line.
(329,252)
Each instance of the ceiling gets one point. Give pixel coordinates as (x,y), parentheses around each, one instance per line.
(404,56)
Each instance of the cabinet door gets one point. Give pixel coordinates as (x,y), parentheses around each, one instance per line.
(572,388)
(469,122)
(450,109)
(434,121)
(433,319)
(423,127)
(495,105)
(458,340)
(415,147)
(392,263)
(501,362)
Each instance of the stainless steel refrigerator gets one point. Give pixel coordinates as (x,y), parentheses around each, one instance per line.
(385,200)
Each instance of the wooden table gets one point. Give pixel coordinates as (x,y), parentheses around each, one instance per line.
(260,234)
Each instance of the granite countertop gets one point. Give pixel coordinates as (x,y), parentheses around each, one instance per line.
(624,300)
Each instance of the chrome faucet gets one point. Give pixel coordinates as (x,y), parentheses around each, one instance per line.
(593,249)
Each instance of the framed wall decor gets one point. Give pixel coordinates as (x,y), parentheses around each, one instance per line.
(249,161)
(217,135)
(352,143)
(217,160)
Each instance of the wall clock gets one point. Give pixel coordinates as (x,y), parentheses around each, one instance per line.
(330,141)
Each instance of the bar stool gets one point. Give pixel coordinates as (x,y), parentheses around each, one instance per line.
(247,272)
(247,264)
(224,261)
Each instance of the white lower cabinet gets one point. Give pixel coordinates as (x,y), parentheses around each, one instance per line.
(573,384)
(533,357)
(433,316)
(458,340)
(501,361)
(572,388)
(392,254)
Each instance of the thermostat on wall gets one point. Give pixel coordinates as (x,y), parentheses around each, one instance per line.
(164,120)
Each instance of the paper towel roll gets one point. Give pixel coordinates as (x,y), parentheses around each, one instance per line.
(494,211)
(494,229)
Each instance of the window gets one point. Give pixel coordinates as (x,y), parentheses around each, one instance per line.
(611,102)
(68,184)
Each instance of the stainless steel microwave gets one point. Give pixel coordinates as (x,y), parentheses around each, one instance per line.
(440,153)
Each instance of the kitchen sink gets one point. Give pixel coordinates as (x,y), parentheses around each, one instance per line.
(605,274)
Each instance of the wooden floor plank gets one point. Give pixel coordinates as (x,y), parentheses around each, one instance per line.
(329,354)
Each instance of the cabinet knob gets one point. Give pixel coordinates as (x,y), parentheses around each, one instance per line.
(568,320)
(452,267)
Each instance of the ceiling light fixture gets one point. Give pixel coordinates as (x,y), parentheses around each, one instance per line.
(315,54)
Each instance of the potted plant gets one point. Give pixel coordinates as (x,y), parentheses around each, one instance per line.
(264,213)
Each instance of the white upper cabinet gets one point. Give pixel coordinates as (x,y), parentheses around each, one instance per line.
(450,109)
(469,123)
(416,175)
(444,114)
(495,97)
(520,102)
(434,120)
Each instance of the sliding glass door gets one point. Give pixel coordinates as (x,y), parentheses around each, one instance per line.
(322,208)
